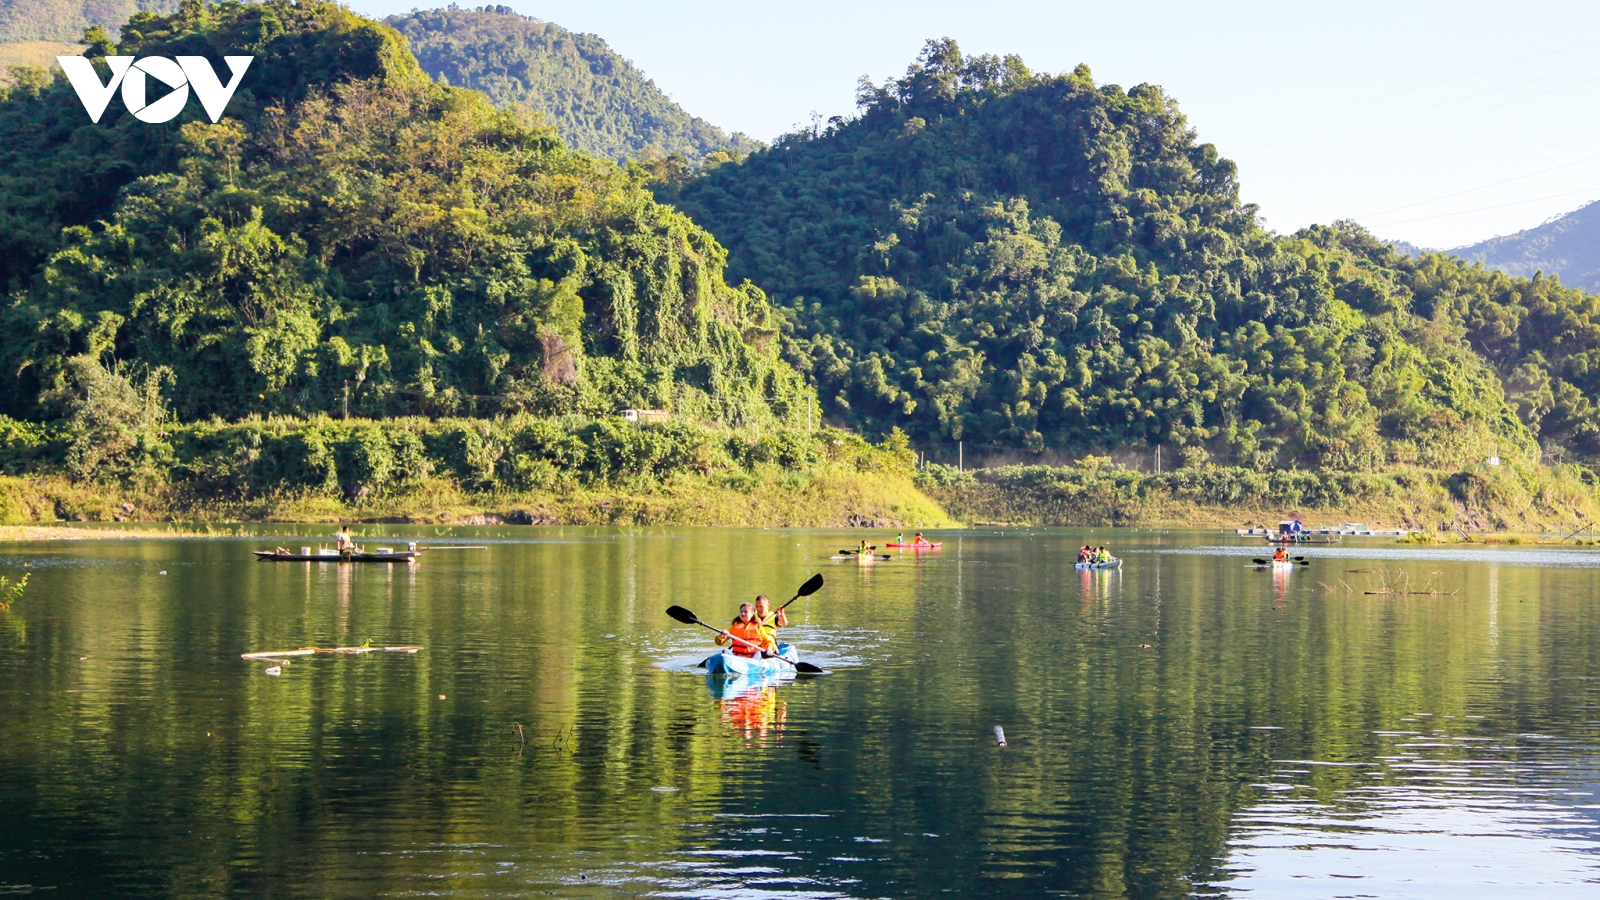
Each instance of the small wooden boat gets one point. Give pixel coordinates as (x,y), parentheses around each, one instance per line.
(381,556)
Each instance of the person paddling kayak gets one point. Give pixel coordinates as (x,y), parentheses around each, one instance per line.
(1280,555)
(748,628)
(770,621)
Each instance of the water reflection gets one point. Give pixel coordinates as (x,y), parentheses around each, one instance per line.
(1183,725)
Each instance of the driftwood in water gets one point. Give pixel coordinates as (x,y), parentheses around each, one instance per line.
(307,651)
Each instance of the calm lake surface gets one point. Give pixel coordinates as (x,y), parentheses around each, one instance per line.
(1189,726)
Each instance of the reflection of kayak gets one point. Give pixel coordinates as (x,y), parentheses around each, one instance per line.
(1282,565)
(729,663)
(1108,564)
(933,546)
(725,686)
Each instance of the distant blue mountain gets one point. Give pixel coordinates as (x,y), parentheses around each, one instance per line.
(1568,246)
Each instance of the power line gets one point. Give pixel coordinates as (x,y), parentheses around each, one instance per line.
(1470,112)
(1406,90)
(1480,187)
(1421,108)
(1484,208)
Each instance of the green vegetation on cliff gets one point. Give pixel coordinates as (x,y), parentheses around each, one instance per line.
(596,100)
(1038,261)
(66,20)
(527,469)
(354,236)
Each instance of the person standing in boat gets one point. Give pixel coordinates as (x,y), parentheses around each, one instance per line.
(347,542)
(770,621)
(747,627)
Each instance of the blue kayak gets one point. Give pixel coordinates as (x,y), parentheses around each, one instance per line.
(1108,564)
(729,663)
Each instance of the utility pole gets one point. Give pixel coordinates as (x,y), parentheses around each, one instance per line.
(961,456)
(1158,459)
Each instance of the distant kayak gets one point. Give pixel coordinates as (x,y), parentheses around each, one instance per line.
(1108,564)
(333,557)
(933,546)
(729,663)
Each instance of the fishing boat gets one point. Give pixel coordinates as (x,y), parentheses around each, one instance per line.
(729,663)
(1108,564)
(378,555)
(896,545)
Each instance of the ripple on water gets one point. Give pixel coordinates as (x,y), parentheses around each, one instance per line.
(1437,827)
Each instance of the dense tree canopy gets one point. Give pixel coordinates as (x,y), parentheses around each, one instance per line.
(1038,261)
(597,101)
(354,233)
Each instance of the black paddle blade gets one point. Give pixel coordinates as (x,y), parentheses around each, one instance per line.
(810,587)
(809,669)
(683,615)
(1259,562)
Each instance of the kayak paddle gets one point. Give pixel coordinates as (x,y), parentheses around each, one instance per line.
(689,618)
(811,586)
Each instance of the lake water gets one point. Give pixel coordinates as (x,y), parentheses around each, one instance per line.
(1189,726)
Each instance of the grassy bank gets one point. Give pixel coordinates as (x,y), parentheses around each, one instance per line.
(527,470)
(1487,498)
(777,499)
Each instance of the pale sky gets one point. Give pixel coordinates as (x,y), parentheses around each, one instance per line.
(1401,115)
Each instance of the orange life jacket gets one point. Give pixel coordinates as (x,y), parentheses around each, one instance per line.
(1279,555)
(752,632)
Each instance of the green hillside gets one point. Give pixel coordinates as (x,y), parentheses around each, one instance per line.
(1039,261)
(597,101)
(1568,246)
(66,20)
(354,236)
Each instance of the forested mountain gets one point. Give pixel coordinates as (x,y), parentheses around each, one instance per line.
(1568,246)
(1039,261)
(66,20)
(597,101)
(351,230)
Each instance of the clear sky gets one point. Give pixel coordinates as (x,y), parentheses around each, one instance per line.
(1402,115)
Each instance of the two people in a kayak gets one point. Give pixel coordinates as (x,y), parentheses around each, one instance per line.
(756,623)
(918,541)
